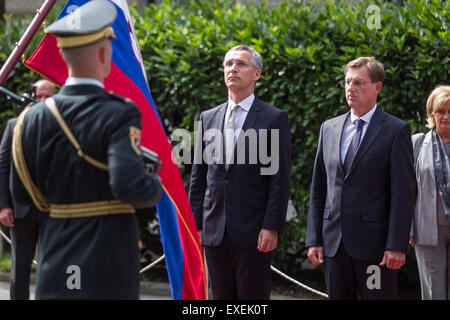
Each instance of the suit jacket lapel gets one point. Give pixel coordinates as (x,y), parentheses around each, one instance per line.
(219,118)
(337,139)
(426,155)
(218,123)
(252,115)
(375,126)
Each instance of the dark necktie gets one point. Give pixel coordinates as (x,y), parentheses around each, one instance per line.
(353,145)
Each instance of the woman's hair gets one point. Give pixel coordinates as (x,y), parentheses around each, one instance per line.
(438,97)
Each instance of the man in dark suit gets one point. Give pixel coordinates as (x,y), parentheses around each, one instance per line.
(362,192)
(239,198)
(78,156)
(25,221)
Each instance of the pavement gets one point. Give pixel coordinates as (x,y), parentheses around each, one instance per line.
(149,290)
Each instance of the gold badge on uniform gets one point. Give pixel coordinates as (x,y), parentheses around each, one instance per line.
(135,137)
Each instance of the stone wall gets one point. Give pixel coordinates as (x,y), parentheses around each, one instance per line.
(22,6)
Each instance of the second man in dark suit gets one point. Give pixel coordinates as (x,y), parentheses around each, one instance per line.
(25,221)
(239,199)
(362,192)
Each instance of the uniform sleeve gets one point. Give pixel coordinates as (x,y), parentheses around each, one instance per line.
(127,177)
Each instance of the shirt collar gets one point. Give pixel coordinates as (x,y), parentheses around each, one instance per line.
(244,104)
(73,81)
(367,117)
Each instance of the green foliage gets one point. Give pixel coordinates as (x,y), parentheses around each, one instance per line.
(21,78)
(5,263)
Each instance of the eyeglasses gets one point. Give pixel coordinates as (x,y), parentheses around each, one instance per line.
(356,83)
(441,112)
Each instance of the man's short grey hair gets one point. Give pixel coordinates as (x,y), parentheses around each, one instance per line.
(256,57)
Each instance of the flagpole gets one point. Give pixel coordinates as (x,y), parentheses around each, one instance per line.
(23,43)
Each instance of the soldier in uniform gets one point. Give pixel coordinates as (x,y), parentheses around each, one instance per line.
(77,155)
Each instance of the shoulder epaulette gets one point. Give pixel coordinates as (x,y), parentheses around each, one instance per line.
(122,99)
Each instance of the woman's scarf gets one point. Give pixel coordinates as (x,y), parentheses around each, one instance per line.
(442,171)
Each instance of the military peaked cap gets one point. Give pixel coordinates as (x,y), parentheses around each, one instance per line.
(85,25)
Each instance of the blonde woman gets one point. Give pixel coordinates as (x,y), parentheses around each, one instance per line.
(430,232)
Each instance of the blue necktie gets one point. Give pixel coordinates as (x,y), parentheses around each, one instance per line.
(351,152)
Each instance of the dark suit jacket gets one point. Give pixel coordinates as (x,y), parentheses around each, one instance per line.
(240,198)
(371,207)
(6,200)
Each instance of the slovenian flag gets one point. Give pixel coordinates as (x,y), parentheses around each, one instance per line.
(182,249)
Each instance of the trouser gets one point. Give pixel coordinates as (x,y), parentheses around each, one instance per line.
(434,267)
(24,238)
(238,272)
(348,278)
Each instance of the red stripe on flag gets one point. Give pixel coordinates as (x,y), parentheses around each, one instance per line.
(49,62)
(154,138)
